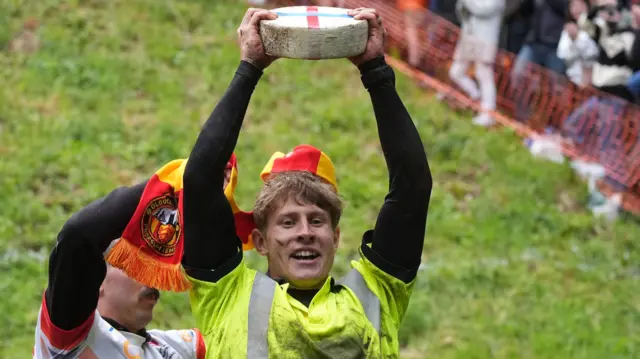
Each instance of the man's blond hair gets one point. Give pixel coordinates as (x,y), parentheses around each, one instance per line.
(304,187)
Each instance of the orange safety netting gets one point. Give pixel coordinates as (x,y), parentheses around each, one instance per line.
(594,126)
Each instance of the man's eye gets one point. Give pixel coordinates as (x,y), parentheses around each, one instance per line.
(317,221)
(288,222)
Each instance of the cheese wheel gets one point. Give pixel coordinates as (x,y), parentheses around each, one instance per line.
(314,33)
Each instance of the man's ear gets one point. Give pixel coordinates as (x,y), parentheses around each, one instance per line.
(336,237)
(260,242)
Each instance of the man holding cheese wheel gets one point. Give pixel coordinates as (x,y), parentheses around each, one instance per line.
(298,310)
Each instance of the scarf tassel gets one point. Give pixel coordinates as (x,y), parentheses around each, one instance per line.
(147,270)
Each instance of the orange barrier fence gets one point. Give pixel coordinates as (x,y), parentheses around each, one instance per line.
(594,126)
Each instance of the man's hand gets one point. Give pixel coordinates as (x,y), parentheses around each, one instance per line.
(377,35)
(572,30)
(251,48)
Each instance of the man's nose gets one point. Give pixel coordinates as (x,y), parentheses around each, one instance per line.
(305,231)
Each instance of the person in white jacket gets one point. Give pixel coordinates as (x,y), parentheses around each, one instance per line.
(481,21)
(579,52)
(576,48)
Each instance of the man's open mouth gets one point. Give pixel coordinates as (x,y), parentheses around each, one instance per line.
(306,255)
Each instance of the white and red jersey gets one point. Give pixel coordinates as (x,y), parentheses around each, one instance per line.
(97,339)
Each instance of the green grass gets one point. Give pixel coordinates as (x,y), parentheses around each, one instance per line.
(515,267)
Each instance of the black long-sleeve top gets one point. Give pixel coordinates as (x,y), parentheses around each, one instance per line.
(212,248)
(76,264)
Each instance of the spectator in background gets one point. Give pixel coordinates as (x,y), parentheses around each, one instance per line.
(616,42)
(634,81)
(542,40)
(618,58)
(576,48)
(634,86)
(442,15)
(446,9)
(594,126)
(478,44)
(517,20)
(414,12)
(540,47)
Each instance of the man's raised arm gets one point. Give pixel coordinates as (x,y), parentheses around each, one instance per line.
(209,228)
(77,266)
(398,237)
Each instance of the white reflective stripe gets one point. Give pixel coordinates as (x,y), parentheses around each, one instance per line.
(259,313)
(370,302)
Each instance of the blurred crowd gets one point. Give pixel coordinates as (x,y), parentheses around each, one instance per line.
(592,46)
(573,72)
(592,42)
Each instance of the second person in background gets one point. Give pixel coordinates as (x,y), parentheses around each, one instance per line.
(478,44)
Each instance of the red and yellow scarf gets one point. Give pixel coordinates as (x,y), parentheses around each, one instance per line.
(151,247)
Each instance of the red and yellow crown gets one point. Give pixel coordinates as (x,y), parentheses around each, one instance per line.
(302,158)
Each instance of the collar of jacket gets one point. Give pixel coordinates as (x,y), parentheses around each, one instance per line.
(142,332)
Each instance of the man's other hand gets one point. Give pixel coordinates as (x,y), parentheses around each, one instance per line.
(251,48)
(377,35)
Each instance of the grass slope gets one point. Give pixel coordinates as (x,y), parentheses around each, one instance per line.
(514,267)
